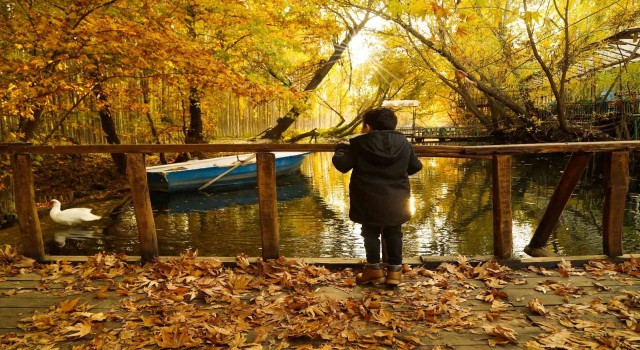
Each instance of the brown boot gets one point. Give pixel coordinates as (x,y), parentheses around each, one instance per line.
(394,275)
(372,273)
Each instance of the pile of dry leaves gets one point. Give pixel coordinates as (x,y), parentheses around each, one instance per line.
(189,302)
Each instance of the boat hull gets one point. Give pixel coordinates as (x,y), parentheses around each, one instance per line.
(189,176)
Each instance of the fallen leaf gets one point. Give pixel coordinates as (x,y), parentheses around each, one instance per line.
(502,332)
(81,329)
(101,293)
(68,305)
(536,307)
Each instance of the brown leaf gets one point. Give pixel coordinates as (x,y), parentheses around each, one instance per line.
(372,303)
(414,340)
(8,254)
(383,317)
(499,294)
(499,306)
(536,307)
(176,336)
(540,270)
(150,321)
(495,283)
(491,316)
(498,341)
(600,287)
(505,333)
(239,283)
(101,293)
(24,262)
(68,305)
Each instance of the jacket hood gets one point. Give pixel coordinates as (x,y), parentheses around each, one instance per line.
(381,146)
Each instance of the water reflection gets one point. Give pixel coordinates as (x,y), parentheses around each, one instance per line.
(451,205)
(74,241)
(289,187)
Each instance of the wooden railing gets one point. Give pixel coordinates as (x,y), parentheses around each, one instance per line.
(616,187)
(420,134)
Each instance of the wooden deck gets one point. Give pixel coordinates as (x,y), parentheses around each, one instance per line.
(186,302)
(106,302)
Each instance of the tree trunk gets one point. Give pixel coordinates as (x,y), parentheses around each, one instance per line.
(471,104)
(109,127)
(283,123)
(342,129)
(144,83)
(194,132)
(27,127)
(313,134)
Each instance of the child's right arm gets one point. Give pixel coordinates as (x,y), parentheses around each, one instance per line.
(415,164)
(342,159)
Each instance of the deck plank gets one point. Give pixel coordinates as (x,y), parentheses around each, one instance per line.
(467,304)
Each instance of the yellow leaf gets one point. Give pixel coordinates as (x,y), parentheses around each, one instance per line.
(98,317)
(150,321)
(81,329)
(532,16)
(100,294)
(239,283)
(176,336)
(68,305)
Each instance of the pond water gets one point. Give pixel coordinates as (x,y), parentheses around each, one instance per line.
(451,205)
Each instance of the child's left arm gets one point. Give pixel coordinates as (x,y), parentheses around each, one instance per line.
(342,159)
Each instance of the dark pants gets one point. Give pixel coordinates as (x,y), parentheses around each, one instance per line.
(392,236)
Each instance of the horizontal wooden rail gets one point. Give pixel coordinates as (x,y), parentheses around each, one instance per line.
(568,147)
(421,150)
(433,151)
(616,187)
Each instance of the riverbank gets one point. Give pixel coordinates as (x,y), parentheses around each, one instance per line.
(75,178)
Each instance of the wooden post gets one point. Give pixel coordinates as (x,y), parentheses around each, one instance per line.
(142,206)
(502,235)
(568,182)
(616,187)
(25,198)
(268,205)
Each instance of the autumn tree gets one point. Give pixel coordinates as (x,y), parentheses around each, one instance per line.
(387,75)
(42,48)
(560,33)
(354,22)
(483,48)
(68,57)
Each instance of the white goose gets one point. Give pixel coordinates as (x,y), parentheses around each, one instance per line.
(73,216)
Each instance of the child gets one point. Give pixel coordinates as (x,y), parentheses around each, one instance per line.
(382,160)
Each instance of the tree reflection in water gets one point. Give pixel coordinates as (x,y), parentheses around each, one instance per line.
(452,214)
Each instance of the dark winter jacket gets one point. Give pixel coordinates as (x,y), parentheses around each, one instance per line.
(379,189)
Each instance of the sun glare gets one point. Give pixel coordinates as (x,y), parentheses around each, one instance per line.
(359,50)
(365,43)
